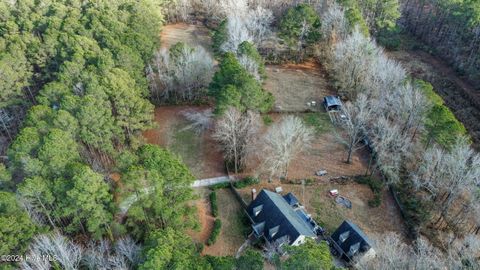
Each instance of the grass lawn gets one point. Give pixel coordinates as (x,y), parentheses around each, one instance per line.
(320,121)
(186,143)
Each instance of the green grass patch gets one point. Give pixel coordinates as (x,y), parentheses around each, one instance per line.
(327,213)
(319,121)
(187,144)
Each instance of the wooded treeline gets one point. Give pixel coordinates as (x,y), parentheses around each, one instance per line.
(80,66)
(451,28)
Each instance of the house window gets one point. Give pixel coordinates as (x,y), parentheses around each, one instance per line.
(354,249)
(344,236)
(257,210)
(273,231)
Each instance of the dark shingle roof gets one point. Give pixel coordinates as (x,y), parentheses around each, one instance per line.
(355,235)
(276,211)
(290,198)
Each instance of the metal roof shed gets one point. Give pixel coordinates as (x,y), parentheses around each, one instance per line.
(332,103)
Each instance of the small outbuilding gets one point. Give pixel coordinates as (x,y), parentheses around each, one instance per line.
(351,243)
(332,103)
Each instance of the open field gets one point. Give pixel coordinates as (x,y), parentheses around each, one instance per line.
(293,85)
(190,34)
(374,221)
(324,153)
(198,151)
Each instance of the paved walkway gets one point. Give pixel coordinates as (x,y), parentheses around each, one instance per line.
(125,204)
(211,181)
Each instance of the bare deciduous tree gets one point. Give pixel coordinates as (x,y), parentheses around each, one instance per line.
(390,148)
(391,253)
(184,77)
(427,256)
(283,142)
(127,247)
(65,252)
(358,114)
(334,24)
(236,133)
(200,121)
(351,61)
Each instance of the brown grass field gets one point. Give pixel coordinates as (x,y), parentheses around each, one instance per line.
(190,34)
(198,151)
(293,85)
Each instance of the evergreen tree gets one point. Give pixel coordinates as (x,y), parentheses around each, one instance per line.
(16,228)
(233,86)
(301,25)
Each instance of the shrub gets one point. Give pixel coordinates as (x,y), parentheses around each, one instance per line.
(220,186)
(200,247)
(376,201)
(213,203)
(375,185)
(215,232)
(267,120)
(245,182)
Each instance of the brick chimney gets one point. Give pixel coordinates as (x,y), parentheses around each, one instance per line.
(254,194)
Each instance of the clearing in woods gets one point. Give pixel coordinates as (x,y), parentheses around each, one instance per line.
(190,34)
(198,151)
(324,153)
(293,85)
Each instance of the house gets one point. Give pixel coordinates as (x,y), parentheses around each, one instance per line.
(332,103)
(351,243)
(280,219)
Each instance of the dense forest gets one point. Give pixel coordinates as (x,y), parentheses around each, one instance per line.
(451,28)
(78,80)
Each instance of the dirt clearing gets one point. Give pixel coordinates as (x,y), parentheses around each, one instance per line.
(293,85)
(324,153)
(198,151)
(190,34)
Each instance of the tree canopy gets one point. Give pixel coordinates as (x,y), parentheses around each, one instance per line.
(233,86)
(309,255)
(301,24)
